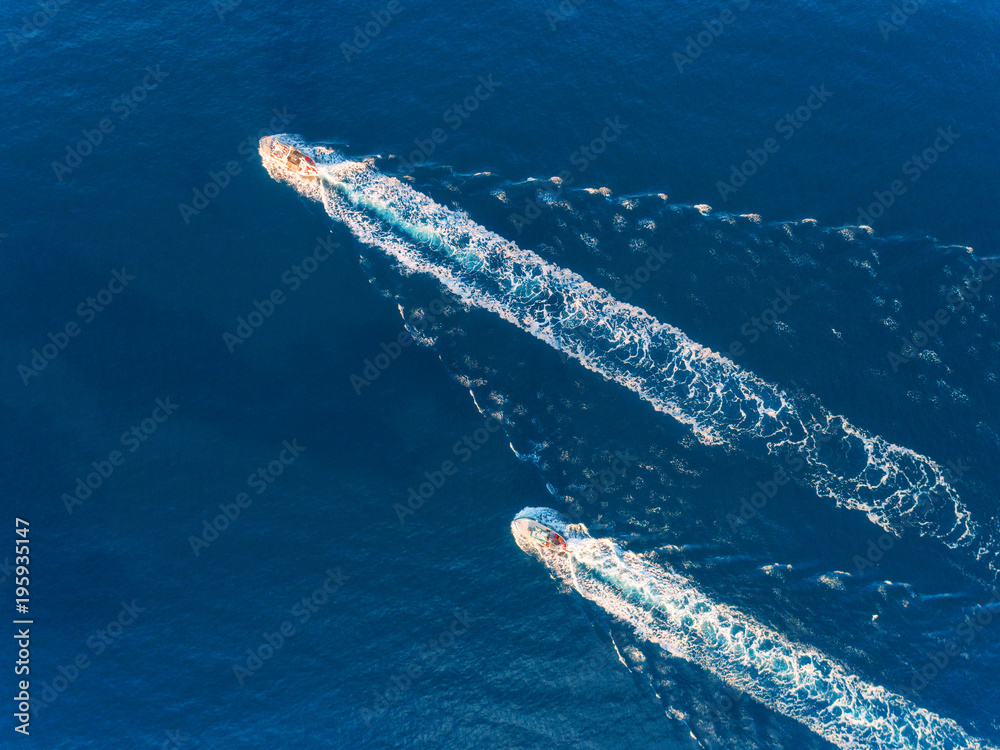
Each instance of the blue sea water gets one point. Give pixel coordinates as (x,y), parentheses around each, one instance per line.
(324,613)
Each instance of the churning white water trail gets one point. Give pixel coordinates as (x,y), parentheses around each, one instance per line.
(721,403)
(795,680)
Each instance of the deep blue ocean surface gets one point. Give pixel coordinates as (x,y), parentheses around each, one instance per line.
(269,438)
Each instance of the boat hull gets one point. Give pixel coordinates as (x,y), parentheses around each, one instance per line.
(286,157)
(542,528)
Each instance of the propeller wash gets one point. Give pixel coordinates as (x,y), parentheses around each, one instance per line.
(721,403)
(797,681)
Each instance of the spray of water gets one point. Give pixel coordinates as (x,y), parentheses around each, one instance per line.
(667,609)
(722,403)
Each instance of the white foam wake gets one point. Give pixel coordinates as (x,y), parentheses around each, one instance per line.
(794,680)
(719,401)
